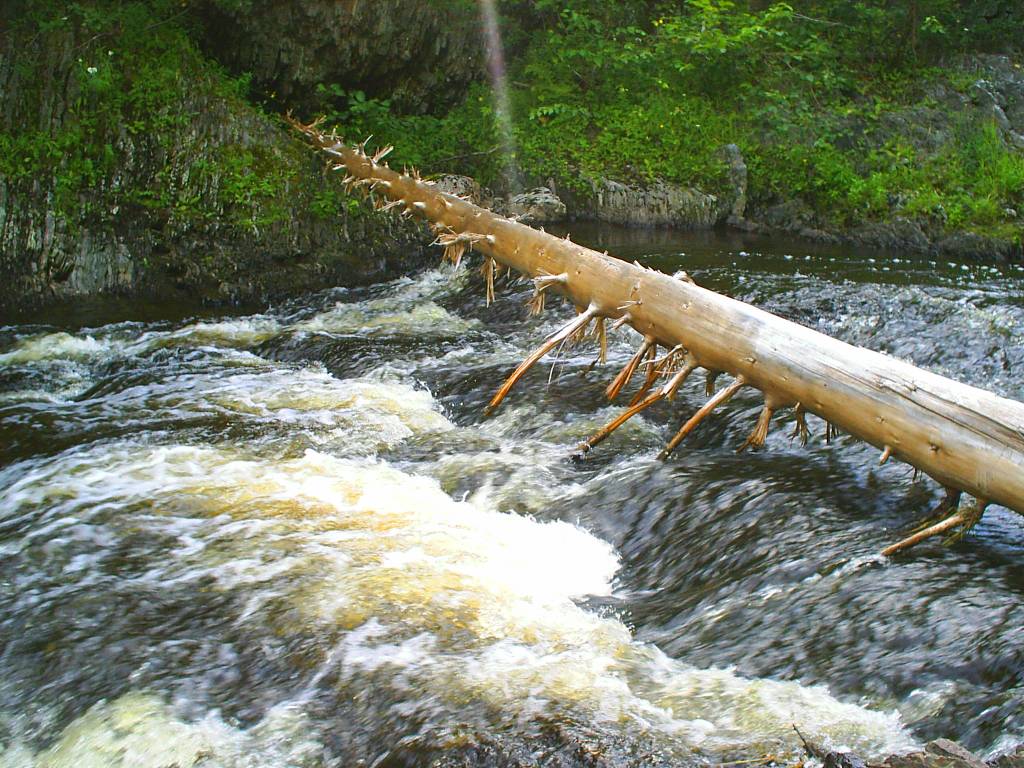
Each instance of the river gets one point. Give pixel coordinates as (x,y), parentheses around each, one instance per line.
(291,537)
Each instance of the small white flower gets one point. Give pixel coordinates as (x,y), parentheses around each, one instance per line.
(91,70)
(110,53)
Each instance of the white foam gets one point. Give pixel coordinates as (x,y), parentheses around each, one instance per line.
(58,346)
(358,415)
(408,308)
(471,603)
(234,332)
(139,730)
(387,317)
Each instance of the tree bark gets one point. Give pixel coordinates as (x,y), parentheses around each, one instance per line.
(966,438)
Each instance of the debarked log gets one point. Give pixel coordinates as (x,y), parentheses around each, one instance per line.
(966,438)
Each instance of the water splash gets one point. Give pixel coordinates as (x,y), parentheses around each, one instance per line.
(499,86)
(140,729)
(447,603)
(340,529)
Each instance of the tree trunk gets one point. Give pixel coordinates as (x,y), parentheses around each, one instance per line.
(964,437)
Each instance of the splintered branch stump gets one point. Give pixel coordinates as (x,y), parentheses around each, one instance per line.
(967,439)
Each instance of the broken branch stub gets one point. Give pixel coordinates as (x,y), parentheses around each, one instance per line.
(962,436)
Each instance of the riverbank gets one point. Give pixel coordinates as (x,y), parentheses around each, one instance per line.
(133,165)
(638,118)
(140,157)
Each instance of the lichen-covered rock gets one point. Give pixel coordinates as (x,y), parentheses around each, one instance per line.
(538,206)
(419,54)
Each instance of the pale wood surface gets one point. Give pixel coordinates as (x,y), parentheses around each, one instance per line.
(964,437)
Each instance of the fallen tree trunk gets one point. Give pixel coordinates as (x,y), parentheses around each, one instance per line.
(967,439)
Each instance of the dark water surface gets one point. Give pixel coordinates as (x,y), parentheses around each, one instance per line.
(291,538)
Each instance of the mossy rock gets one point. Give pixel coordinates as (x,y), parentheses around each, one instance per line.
(131,164)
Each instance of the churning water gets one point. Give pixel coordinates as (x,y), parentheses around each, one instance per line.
(291,538)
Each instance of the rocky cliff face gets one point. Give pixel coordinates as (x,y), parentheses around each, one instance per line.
(419,54)
(129,165)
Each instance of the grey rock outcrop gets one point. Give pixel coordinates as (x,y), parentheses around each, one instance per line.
(538,206)
(969,245)
(898,234)
(999,94)
(659,204)
(737,174)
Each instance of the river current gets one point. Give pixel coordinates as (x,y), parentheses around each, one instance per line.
(291,537)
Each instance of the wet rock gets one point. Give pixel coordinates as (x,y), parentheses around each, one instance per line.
(818,235)
(842,760)
(1012,759)
(941,753)
(744,225)
(944,749)
(899,234)
(970,245)
(538,206)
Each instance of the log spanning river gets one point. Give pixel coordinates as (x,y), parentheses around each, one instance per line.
(291,538)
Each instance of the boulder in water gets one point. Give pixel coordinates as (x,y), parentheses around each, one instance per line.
(538,206)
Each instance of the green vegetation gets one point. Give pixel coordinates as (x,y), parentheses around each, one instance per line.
(127,128)
(812,92)
(818,95)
